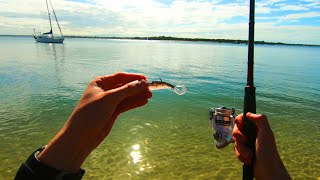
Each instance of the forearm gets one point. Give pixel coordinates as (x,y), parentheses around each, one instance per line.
(279,170)
(67,150)
(272,168)
(277,173)
(61,159)
(283,173)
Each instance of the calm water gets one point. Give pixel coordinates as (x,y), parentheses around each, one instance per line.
(40,85)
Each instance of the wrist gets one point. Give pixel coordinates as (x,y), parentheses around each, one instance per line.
(66,151)
(280,172)
(274,169)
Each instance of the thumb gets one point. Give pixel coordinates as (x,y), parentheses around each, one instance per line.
(260,120)
(130,89)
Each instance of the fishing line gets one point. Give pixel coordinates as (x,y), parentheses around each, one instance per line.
(234,97)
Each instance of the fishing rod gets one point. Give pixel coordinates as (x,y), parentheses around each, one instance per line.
(222,118)
(249,103)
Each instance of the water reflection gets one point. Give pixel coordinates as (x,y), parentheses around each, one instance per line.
(136,154)
(137,159)
(55,52)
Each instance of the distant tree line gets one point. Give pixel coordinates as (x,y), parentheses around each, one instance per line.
(169,38)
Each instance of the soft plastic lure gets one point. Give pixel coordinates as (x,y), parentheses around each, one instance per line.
(156,85)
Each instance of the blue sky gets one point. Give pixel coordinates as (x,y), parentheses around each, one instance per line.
(290,21)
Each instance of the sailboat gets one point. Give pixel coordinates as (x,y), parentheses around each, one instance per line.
(49,37)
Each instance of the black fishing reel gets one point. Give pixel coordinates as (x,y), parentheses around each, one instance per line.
(222,121)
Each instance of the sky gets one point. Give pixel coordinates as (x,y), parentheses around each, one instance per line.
(288,21)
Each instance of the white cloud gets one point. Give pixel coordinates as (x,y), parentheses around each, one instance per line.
(285,7)
(183,18)
(289,34)
(300,16)
(313,3)
(268,2)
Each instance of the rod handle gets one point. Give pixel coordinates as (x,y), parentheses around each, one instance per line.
(249,128)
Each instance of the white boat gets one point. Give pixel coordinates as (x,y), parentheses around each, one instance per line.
(49,37)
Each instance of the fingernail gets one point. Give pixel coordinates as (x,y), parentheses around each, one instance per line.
(136,82)
(139,83)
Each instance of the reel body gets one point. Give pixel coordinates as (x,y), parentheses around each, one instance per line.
(222,121)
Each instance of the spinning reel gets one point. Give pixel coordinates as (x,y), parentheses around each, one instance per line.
(222,121)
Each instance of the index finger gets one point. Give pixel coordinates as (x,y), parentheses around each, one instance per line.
(118,79)
(260,120)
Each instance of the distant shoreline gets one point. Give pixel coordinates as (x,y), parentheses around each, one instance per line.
(169,38)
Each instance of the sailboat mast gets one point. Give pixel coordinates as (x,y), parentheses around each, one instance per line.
(56,18)
(49,17)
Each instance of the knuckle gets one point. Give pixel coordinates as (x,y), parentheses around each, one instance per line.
(235,133)
(99,78)
(129,86)
(263,116)
(93,82)
(118,74)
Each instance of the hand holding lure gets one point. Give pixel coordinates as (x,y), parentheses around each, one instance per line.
(156,85)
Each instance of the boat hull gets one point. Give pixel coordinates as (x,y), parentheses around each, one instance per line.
(49,39)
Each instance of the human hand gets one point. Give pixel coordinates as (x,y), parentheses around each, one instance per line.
(267,164)
(104,100)
(91,121)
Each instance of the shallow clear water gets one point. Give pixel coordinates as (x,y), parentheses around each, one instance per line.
(168,138)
